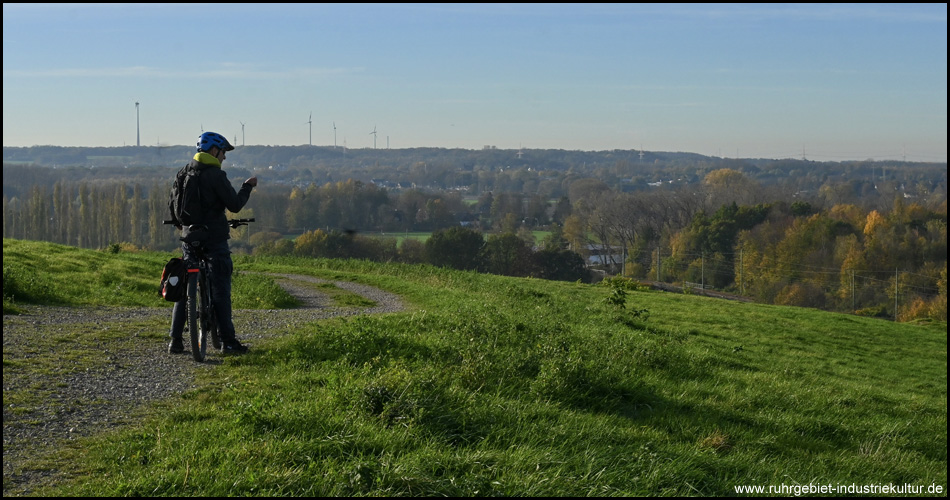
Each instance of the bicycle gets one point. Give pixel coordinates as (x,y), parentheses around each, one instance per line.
(200,317)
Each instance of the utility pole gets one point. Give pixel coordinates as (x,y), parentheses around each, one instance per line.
(741,282)
(702,267)
(897,277)
(623,255)
(852,290)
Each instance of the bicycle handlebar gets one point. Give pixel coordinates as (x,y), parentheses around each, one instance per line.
(234,223)
(231,222)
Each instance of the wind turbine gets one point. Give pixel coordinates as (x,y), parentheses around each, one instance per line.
(138,142)
(242,134)
(334,135)
(373,133)
(310,121)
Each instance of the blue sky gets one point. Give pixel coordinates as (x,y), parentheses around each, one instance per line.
(837,82)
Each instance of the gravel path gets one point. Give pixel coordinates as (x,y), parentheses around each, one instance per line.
(129,373)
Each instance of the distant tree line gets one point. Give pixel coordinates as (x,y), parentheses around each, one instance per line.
(838,247)
(548,173)
(327,222)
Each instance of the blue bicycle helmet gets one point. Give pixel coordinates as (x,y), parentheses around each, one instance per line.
(209,140)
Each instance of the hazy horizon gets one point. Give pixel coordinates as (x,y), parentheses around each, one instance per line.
(831,82)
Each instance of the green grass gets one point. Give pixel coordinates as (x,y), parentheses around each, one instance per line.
(342,297)
(253,291)
(44,273)
(501,386)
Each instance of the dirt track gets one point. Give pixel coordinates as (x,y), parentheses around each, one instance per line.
(120,378)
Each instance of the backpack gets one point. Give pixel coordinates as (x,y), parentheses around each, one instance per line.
(184,203)
(174,284)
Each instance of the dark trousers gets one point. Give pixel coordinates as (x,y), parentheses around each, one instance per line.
(219,254)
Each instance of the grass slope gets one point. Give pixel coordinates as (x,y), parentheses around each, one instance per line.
(501,386)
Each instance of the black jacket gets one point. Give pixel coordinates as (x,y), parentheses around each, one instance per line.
(217,194)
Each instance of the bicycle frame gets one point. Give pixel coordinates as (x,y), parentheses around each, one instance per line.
(201,318)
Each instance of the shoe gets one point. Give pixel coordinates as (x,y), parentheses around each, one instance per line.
(234,347)
(175,346)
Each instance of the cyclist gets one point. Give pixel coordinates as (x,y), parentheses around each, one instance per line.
(217,194)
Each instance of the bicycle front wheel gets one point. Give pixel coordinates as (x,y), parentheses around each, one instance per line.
(205,315)
(194,327)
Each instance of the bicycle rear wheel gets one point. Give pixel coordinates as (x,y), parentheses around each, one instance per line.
(194,328)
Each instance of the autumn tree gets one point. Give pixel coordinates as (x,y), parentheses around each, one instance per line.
(60,211)
(85,217)
(503,205)
(297,209)
(158,212)
(39,214)
(562,209)
(411,205)
(273,206)
(727,186)
(587,188)
(575,234)
(311,244)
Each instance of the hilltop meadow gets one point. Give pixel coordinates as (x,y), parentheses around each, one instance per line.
(483,385)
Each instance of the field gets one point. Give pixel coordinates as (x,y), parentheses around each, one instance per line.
(496,386)
(423,236)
